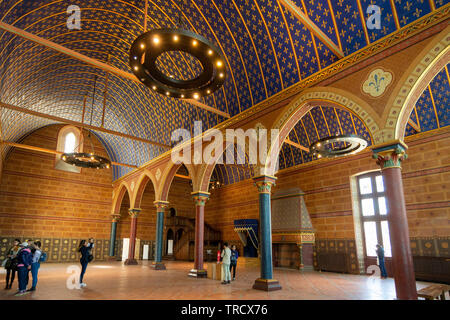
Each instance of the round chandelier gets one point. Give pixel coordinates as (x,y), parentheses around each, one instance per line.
(151,45)
(146,49)
(337,146)
(84,159)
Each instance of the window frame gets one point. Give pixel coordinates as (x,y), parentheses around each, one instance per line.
(376,217)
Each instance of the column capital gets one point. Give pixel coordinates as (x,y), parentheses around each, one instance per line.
(134,212)
(264,183)
(115,217)
(200,197)
(160,204)
(390,155)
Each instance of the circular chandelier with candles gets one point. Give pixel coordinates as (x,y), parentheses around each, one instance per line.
(150,45)
(85,159)
(146,49)
(337,146)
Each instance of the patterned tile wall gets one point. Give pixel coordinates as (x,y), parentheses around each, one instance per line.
(65,250)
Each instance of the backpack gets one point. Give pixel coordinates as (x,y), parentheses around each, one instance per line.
(43,257)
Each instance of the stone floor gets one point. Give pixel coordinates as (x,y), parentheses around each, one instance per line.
(113,280)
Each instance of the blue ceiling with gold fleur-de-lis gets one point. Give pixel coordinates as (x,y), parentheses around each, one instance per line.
(432,109)
(266,49)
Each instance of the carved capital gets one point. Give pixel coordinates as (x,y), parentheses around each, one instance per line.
(390,155)
(200,198)
(134,212)
(160,205)
(264,183)
(115,217)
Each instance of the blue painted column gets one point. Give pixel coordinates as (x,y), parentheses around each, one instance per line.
(112,238)
(265,282)
(160,206)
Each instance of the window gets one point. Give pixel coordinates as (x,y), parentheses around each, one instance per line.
(69,142)
(372,201)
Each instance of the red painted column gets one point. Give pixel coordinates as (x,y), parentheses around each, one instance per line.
(133,228)
(389,158)
(200,199)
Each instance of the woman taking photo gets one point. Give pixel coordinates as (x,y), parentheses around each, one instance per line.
(85,249)
(11,264)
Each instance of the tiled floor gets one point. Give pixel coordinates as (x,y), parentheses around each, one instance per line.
(112,280)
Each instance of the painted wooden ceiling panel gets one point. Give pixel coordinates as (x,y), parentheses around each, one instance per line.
(266,48)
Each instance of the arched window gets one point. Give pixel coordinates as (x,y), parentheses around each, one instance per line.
(69,140)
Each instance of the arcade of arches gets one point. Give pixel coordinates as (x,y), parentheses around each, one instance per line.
(294,215)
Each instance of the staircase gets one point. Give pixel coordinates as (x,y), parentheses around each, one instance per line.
(183,248)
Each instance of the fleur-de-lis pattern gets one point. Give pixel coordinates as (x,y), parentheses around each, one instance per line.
(266,50)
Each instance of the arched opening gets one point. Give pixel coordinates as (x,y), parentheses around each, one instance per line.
(69,140)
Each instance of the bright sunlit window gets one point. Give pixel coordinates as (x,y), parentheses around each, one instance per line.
(69,142)
(372,202)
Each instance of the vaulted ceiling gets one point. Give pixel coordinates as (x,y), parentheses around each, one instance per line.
(267,48)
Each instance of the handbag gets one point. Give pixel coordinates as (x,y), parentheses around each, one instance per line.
(5,263)
(90,257)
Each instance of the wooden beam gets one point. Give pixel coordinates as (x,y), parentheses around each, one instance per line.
(86,59)
(182,176)
(79,124)
(294,144)
(44,150)
(208,108)
(308,23)
(414,125)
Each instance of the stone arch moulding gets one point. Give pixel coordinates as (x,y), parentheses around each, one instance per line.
(145,178)
(118,197)
(419,74)
(305,102)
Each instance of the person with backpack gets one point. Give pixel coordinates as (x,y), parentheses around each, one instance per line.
(10,263)
(233,260)
(25,259)
(35,265)
(85,249)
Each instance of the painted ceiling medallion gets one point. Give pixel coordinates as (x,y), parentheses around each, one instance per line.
(158,174)
(146,49)
(377,82)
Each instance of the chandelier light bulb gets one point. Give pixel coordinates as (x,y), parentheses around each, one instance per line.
(155,40)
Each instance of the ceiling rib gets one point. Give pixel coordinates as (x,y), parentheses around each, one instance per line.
(308,23)
(414,125)
(45,150)
(294,144)
(91,61)
(80,124)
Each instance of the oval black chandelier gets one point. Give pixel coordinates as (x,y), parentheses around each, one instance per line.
(337,146)
(150,45)
(87,159)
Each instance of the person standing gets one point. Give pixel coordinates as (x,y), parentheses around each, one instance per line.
(11,263)
(233,260)
(25,258)
(226,255)
(380,254)
(35,265)
(85,249)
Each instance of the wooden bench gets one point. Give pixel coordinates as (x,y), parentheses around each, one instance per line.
(434,291)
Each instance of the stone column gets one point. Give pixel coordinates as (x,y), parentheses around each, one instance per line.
(389,158)
(112,238)
(200,199)
(134,215)
(265,282)
(160,206)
